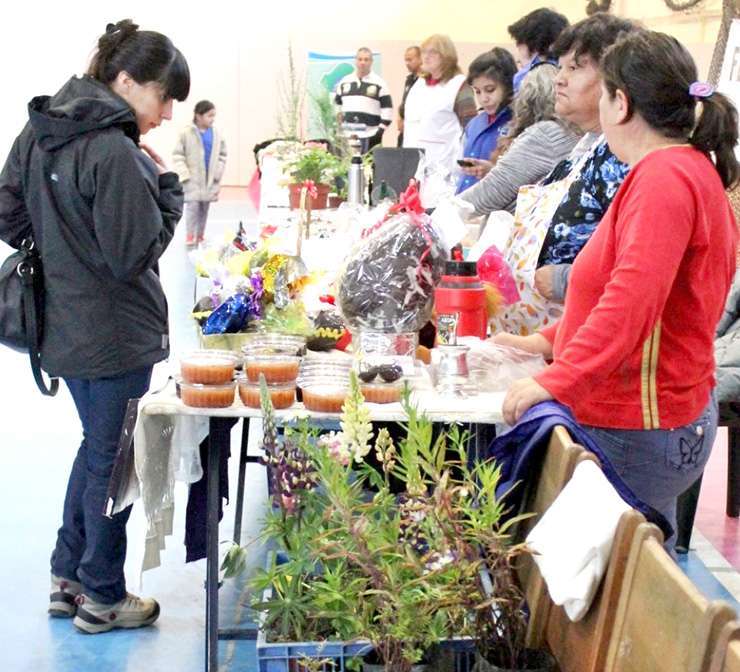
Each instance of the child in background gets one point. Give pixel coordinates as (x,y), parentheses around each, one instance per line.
(200,158)
(491,76)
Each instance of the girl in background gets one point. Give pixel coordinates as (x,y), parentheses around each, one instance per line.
(200,158)
(490,75)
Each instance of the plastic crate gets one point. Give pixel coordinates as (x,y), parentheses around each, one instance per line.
(457,655)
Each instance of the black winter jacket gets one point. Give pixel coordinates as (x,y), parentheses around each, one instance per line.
(101,217)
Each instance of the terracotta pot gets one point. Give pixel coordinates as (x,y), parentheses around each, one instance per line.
(535,660)
(335,201)
(318,203)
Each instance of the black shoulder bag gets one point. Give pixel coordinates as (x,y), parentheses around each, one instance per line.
(21,308)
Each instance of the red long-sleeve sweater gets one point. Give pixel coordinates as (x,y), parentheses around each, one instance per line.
(634,348)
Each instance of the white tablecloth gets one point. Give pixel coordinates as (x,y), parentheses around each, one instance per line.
(168,433)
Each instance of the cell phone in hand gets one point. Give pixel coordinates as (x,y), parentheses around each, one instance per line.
(465,163)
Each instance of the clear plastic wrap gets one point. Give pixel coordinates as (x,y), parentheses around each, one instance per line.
(388,281)
(494,367)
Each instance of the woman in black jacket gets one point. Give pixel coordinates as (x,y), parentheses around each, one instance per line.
(101,208)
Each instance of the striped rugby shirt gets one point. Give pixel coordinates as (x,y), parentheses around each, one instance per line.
(364,101)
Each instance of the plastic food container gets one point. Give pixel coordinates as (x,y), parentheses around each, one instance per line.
(273,344)
(324,382)
(317,369)
(276,368)
(326,397)
(382,393)
(207,396)
(282,396)
(208,367)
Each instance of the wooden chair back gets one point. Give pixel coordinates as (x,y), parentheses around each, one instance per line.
(560,459)
(726,657)
(582,646)
(663,623)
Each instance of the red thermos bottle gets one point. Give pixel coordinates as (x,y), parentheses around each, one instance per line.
(462,293)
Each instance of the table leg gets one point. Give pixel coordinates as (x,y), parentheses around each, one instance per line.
(240,485)
(733,472)
(685,514)
(218,437)
(482,437)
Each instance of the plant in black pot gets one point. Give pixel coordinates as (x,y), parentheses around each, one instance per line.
(391,582)
(469,515)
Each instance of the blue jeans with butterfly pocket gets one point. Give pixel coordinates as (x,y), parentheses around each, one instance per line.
(660,464)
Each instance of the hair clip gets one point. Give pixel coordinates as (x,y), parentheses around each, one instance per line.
(701,90)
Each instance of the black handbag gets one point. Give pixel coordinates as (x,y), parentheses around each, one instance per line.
(21,308)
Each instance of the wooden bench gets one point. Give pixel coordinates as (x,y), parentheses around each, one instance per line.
(663,623)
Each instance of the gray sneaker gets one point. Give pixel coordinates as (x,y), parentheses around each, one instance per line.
(131,612)
(62,597)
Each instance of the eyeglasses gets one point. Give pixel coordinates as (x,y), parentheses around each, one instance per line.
(389,373)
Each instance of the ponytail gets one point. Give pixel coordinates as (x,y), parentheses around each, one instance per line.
(716,133)
(145,55)
(658,76)
(108,44)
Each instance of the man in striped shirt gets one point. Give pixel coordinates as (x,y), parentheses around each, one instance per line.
(364,102)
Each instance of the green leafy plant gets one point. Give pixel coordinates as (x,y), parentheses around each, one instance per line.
(359,561)
(326,122)
(314,164)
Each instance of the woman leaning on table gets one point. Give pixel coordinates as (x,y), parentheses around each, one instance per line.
(633,353)
(102,209)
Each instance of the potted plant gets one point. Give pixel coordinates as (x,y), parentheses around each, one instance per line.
(468,515)
(314,168)
(403,572)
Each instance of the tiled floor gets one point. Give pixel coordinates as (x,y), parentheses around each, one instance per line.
(721,531)
(38,438)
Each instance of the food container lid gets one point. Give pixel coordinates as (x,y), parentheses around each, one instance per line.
(204,386)
(380,385)
(245,382)
(268,342)
(326,388)
(210,357)
(270,357)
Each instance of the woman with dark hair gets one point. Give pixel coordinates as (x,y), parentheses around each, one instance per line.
(633,353)
(490,76)
(578,89)
(101,208)
(555,218)
(534,35)
(537,141)
(200,158)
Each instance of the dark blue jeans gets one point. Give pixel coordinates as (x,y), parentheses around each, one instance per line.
(660,464)
(91,548)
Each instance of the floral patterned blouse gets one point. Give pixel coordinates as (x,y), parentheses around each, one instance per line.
(581,210)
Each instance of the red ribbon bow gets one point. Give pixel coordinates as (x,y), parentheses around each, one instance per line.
(310,185)
(408,201)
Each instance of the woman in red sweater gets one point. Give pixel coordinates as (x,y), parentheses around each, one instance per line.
(633,354)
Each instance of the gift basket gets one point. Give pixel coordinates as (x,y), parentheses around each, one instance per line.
(387,283)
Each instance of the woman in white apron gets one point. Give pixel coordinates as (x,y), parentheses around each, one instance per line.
(438,107)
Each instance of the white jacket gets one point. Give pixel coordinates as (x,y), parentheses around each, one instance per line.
(190,164)
(431,123)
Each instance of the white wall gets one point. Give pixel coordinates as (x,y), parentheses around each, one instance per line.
(237,51)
